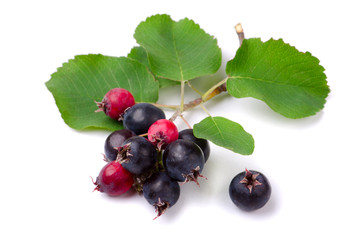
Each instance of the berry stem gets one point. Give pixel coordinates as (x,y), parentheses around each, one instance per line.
(159,163)
(194,89)
(205,110)
(188,125)
(166,106)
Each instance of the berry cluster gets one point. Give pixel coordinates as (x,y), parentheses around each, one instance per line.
(149,154)
(152,156)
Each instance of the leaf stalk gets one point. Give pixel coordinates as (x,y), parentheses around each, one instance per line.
(182,96)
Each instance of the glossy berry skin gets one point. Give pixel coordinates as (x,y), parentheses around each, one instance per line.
(161,191)
(162,132)
(115,140)
(113,179)
(115,102)
(250,190)
(137,155)
(183,161)
(141,116)
(187,134)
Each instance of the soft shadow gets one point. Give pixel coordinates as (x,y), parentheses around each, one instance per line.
(128,194)
(259,110)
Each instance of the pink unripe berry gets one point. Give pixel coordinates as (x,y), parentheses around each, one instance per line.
(115,102)
(113,179)
(162,132)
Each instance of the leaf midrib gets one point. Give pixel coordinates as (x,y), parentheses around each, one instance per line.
(177,54)
(220,132)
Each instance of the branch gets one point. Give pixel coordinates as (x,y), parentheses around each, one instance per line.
(240,33)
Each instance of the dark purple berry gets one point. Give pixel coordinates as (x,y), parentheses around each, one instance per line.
(161,191)
(141,116)
(137,155)
(250,190)
(183,161)
(115,140)
(187,134)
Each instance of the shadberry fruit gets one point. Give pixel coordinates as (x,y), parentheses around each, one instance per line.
(187,134)
(161,191)
(137,155)
(115,140)
(250,190)
(139,117)
(183,161)
(115,102)
(162,132)
(113,179)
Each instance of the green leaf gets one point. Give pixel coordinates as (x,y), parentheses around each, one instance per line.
(225,133)
(292,83)
(139,54)
(178,50)
(87,78)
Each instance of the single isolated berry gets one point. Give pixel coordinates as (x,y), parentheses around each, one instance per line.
(115,102)
(250,190)
(162,132)
(161,191)
(115,140)
(187,134)
(137,155)
(113,179)
(139,117)
(183,161)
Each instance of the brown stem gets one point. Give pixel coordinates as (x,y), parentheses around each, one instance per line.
(240,33)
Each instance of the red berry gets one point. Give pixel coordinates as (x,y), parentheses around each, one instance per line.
(113,179)
(162,132)
(115,102)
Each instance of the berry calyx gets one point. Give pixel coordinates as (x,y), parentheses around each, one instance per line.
(184,161)
(193,176)
(113,179)
(162,132)
(115,102)
(137,155)
(250,180)
(161,207)
(115,140)
(161,191)
(250,190)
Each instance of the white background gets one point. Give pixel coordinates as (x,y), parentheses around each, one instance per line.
(45,166)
